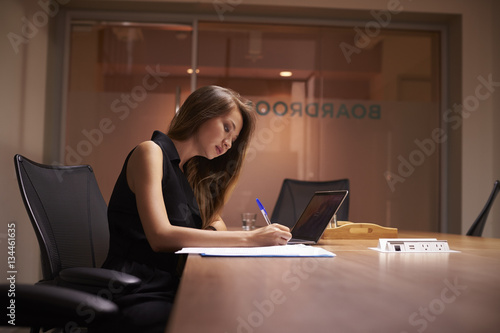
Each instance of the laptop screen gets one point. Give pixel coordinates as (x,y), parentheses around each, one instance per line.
(318,213)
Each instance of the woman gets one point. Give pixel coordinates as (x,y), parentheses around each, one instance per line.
(169,195)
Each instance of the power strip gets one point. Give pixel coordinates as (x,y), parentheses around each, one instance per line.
(412,245)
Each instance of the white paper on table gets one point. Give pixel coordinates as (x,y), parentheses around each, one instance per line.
(296,250)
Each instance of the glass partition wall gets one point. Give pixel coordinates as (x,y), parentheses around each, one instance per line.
(125,80)
(331,103)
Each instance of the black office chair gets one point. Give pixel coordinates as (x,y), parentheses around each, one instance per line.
(295,195)
(477,227)
(40,307)
(69,216)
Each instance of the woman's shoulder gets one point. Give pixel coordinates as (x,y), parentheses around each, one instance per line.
(148,147)
(145,163)
(146,152)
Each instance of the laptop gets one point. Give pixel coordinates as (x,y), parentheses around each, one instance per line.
(315,218)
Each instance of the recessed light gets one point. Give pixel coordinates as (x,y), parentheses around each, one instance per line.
(286,73)
(190,71)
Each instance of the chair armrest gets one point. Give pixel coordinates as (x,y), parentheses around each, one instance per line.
(98,278)
(53,306)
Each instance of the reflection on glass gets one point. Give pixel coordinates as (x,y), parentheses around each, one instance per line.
(361,115)
(126,80)
(364,110)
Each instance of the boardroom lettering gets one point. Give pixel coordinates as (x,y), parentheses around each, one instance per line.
(320,110)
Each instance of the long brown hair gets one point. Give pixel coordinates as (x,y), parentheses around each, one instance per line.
(213,180)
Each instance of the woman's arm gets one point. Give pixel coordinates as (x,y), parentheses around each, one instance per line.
(144,176)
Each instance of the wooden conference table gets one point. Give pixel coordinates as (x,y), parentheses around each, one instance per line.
(359,290)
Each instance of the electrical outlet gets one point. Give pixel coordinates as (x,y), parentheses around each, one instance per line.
(417,246)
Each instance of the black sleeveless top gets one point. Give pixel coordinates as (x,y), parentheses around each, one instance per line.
(129,250)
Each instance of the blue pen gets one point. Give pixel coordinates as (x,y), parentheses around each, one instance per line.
(263,211)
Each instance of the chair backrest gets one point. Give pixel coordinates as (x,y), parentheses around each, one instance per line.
(477,227)
(68,214)
(295,194)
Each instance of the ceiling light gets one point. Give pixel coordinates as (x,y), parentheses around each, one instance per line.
(190,71)
(286,73)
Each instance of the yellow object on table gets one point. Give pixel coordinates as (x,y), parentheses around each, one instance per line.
(350,230)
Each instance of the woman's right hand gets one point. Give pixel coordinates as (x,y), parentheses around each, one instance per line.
(273,234)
